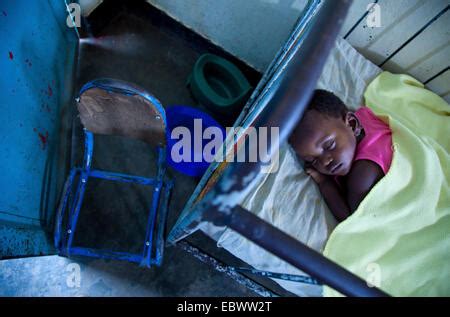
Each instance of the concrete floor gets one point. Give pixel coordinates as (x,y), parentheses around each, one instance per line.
(180,275)
(135,49)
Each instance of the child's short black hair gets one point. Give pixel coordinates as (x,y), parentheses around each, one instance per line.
(327,103)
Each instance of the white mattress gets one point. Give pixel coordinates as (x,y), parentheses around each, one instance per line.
(289,199)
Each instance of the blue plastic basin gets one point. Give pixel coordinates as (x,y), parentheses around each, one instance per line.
(183,116)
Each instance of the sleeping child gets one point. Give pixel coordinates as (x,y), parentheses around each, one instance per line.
(346,153)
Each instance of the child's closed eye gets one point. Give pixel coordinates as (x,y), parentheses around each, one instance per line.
(310,163)
(330,145)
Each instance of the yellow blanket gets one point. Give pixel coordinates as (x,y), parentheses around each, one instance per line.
(399,237)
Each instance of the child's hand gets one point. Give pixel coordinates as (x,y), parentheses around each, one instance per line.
(318,177)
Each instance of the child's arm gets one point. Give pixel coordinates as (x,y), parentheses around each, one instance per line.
(333,197)
(360,180)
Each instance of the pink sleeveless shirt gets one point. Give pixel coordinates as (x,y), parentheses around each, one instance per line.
(376,146)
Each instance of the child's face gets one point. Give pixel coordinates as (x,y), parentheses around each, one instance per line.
(326,143)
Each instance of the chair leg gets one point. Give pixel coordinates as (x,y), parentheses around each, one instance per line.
(79,195)
(151,227)
(61,211)
(88,149)
(75,210)
(162,223)
(161,163)
(154,237)
(151,224)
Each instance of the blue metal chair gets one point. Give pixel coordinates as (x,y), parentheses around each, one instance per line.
(101,105)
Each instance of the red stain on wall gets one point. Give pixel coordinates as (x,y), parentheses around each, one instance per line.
(50,91)
(44,139)
(11,56)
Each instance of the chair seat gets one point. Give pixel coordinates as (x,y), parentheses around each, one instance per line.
(106,107)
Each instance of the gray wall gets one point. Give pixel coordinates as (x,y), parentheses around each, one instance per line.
(253,31)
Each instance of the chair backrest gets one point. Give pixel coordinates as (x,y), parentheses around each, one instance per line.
(114,107)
